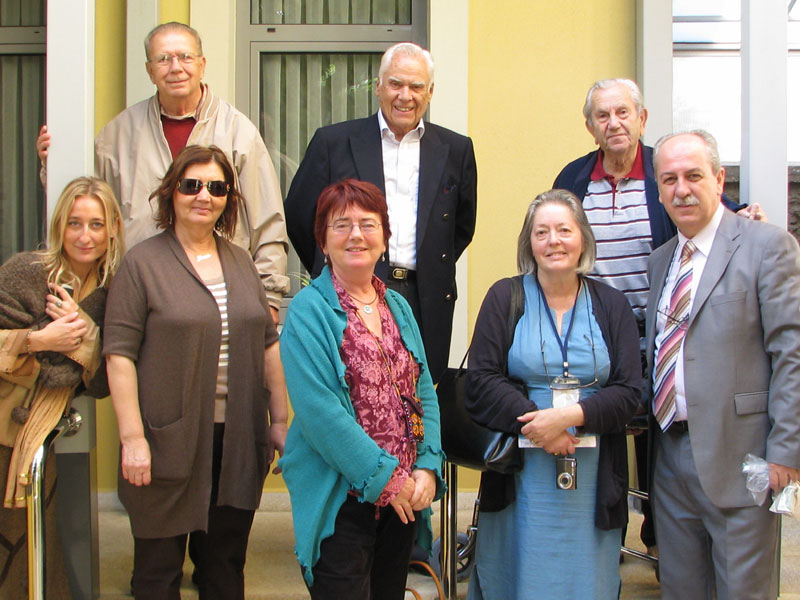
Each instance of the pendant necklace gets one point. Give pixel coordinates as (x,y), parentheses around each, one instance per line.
(366,305)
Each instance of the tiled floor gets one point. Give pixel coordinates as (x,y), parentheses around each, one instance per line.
(272,572)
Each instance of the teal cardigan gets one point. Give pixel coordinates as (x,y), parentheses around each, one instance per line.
(327,452)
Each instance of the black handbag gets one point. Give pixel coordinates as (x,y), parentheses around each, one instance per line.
(465,442)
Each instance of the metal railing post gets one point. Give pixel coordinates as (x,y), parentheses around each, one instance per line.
(449,532)
(36,505)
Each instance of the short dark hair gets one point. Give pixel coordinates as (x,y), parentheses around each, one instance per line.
(338,197)
(197,155)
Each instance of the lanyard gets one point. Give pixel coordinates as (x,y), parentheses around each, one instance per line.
(565,344)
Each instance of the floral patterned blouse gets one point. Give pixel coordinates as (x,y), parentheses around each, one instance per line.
(379,408)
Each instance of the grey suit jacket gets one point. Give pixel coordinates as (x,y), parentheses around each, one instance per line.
(741,353)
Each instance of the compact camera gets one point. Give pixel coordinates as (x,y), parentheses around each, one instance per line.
(566,473)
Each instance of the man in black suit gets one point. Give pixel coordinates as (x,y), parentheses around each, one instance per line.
(429,177)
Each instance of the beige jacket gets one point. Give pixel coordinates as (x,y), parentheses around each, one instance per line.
(132,155)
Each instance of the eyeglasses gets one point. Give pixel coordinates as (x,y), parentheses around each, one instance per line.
(192,187)
(343,226)
(579,385)
(185,58)
(672,320)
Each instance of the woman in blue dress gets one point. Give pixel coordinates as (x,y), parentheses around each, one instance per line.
(576,350)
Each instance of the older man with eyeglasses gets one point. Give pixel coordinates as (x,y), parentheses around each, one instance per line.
(134,150)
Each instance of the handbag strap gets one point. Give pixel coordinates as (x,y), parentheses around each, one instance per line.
(516,307)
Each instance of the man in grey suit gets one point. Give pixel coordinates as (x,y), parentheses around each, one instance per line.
(723,345)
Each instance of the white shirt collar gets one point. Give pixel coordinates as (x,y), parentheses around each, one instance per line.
(384,127)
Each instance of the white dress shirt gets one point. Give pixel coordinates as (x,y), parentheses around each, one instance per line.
(401,178)
(703,241)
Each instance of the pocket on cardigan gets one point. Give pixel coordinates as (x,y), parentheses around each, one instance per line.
(171,451)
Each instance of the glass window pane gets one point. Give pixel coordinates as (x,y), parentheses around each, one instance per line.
(721,32)
(22,203)
(707,95)
(724,9)
(330,12)
(22,13)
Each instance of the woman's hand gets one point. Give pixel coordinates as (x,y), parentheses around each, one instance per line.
(565,443)
(548,427)
(59,303)
(135,458)
(401,503)
(424,488)
(277,435)
(64,334)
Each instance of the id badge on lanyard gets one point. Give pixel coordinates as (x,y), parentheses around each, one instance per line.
(566,391)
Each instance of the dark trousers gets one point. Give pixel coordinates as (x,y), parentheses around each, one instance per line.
(158,563)
(365,558)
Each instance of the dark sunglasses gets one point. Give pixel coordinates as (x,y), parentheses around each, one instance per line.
(192,187)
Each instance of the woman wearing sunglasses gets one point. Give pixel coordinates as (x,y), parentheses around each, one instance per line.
(196,382)
(553,529)
(363,457)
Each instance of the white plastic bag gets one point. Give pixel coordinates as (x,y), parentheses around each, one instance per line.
(757,472)
(786,502)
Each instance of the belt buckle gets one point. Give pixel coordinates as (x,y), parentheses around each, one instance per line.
(679,427)
(399,273)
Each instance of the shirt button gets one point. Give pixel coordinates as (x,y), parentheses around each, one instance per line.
(448,297)
(445,216)
(444,257)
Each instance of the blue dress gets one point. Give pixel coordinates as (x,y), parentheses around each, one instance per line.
(545,544)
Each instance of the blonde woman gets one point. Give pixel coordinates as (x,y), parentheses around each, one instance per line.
(52,304)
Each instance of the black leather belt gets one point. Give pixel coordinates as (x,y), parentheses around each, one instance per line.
(678,427)
(401,274)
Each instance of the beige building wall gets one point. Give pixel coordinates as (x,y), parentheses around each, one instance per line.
(530,63)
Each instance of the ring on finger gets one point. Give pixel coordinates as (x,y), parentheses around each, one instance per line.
(59,303)
(78,341)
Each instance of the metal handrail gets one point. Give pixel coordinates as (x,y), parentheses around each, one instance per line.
(68,425)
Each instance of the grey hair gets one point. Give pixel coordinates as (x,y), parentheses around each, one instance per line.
(712,151)
(172,26)
(603,84)
(405,49)
(525,261)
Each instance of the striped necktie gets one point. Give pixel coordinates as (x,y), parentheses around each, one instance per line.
(674,331)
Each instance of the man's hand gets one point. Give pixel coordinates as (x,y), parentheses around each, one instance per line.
(42,144)
(754,212)
(780,476)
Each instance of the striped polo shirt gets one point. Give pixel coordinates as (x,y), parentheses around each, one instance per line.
(617,212)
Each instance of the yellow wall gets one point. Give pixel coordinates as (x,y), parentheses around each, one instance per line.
(530,64)
(109,99)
